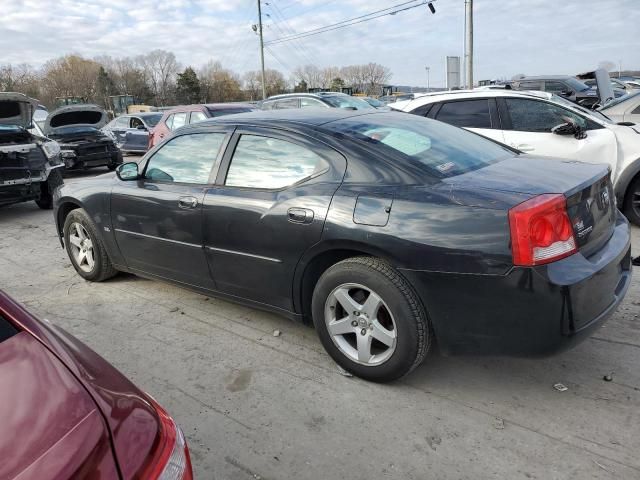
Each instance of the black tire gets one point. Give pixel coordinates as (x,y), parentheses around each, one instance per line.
(103,268)
(412,328)
(631,211)
(45,201)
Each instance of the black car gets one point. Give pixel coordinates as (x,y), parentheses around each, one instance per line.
(30,164)
(315,100)
(384,229)
(564,85)
(77,129)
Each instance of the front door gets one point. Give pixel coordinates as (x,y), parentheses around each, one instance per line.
(528,124)
(157,220)
(269,206)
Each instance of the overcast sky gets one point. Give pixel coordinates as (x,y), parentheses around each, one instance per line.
(511,36)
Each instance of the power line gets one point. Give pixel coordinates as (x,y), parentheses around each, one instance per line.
(298,47)
(354,21)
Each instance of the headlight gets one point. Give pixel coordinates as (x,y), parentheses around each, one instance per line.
(51,149)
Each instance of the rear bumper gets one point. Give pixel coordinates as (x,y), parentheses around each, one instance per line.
(529,311)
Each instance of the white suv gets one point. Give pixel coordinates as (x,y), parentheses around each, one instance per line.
(544,124)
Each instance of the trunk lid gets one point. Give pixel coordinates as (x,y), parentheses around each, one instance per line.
(586,186)
(81,116)
(16,109)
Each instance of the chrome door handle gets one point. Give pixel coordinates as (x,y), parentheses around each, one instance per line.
(187,202)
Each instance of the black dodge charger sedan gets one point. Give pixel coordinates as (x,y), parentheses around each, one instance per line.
(386,230)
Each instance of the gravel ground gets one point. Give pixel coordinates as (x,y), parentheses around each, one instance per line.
(253,405)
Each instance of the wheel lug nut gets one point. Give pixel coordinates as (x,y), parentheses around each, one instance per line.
(354,324)
(357,314)
(363,331)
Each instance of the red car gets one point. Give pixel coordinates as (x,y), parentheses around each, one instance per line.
(183,115)
(66,413)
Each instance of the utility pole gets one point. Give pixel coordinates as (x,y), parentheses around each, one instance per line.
(264,87)
(428,85)
(468,43)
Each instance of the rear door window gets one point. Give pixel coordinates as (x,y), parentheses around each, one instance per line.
(467,113)
(271,163)
(422,110)
(287,103)
(197,117)
(179,120)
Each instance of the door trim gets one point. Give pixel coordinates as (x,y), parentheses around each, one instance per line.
(137,234)
(244,254)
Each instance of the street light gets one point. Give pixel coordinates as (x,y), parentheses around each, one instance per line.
(428,85)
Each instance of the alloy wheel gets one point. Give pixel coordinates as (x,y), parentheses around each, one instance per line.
(81,247)
(360,324)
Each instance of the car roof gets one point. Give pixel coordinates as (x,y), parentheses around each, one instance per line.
(303,94)
(423,99)
(215,106)
(307,116)
(546,77)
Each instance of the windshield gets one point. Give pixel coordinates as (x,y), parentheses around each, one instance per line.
(152,119)
(577,85)
(220,112)
(581,109)
(345,101)
(373,102)
(445,150)
(618,100)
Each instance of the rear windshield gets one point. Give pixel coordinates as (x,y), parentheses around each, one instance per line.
(345,101)
(445,150)
(618,100)
(220,112)
(152,120)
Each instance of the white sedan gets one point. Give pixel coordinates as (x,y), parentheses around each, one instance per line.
(544,124)
(624,109)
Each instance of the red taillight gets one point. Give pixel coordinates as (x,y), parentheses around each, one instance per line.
(169,459)
(541,231)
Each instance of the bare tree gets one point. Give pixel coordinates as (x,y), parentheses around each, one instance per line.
(21,78)
(375,76)
(219,84)
(160,68)
(70,76)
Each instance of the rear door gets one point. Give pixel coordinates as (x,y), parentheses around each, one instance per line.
(528,123)
(157,219)
(268,207)
(480,115)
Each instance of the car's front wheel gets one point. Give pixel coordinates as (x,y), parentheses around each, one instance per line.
(631,205)
(370,320)
(85,249)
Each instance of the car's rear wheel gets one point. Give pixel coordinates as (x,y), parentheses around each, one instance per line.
(370,320)
(85,250)
(632,202)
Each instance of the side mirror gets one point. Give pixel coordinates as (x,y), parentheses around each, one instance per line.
(141,127)
(128,171)
(567,128)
